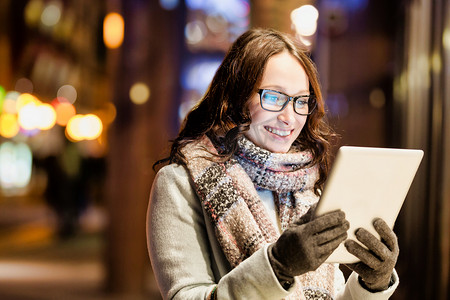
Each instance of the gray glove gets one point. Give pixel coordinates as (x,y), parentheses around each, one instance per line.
(378,260)
(304,245)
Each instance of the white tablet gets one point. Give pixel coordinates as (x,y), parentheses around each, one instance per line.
(367,183)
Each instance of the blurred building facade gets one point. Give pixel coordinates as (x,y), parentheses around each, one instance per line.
(384,68)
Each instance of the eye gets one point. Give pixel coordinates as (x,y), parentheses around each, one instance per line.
(300,103)
(271,98)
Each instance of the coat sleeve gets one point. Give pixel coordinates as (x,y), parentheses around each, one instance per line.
(180,252)
(354,291)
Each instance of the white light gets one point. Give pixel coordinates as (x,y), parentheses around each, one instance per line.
(29,117)
(15,165)
(67,92)
(304,20)
(51,14)
(305,40)
(47,116)
(195,32)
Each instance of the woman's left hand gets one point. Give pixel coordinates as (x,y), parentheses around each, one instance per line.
(378,260)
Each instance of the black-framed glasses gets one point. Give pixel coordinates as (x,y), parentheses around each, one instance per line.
(276,101)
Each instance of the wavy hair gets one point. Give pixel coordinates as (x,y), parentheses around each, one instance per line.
(223,115)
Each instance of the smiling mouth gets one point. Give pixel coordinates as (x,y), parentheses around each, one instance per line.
(278,132)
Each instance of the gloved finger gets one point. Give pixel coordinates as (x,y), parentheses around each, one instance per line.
(363,270)
(328,235)
(386,233)
(367,257)
(329,220)
(327,248)
(307,217)
(373,244)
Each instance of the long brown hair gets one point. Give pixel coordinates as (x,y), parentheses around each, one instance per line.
(222,114)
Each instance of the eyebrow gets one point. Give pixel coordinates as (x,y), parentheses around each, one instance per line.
(281,89)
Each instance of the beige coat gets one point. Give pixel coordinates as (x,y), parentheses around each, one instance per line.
(188,262)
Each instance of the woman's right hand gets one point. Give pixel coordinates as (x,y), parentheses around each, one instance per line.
(304,245)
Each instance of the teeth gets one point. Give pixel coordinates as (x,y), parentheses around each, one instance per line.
(278,132)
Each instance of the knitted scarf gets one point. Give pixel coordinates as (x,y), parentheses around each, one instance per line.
(228,192)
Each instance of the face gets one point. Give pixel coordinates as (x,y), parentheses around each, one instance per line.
(276,131)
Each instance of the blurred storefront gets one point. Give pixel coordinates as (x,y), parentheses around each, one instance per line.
(91,91)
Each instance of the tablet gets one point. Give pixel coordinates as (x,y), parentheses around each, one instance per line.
(367,183)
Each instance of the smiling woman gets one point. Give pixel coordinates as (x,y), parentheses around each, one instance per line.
(277,131)
(230,216)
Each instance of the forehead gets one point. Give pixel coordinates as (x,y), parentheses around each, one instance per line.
(284,71)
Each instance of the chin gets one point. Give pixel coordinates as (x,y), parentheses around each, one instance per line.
(278,149)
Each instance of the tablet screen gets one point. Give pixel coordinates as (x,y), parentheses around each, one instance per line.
(367,183)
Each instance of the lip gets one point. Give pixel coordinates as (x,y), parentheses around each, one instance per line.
(281,133)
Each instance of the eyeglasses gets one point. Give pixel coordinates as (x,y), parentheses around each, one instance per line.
(276,101)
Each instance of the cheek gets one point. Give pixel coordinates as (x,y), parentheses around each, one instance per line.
(257,114)
(301,122)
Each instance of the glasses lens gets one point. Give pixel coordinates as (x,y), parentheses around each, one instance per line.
(301,105)
(273,101)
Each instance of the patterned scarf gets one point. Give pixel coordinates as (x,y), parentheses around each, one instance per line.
(228,192)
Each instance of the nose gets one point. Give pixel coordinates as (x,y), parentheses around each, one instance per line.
(287,115)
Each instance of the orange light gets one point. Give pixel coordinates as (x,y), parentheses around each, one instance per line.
(113,30)
(64,111)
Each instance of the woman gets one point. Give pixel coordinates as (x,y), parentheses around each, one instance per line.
(230,216)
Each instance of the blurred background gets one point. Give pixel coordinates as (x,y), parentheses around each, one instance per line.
(92,90)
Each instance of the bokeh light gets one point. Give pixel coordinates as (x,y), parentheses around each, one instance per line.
(377,98)
(212,25)
(35,115)
(91,127)
(33,12)
(25,99)
(67,93)
(446,38)
(9,103)
(28,118)
(168,4)
(9,126)
(305,19)
(12,95)
(24,85)
(195,32)
(15,165)
(232,10)
(216,23)
(2,97)
(107,114)
(139,93)
(436,62)
(47,116)
(199,74)
(9,106)
(84,127)
(51,14)
(113,30)
(73,128)
(64,111)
